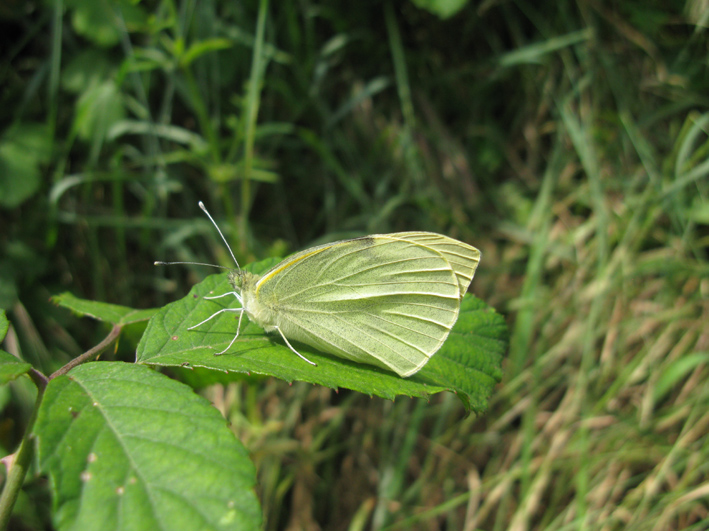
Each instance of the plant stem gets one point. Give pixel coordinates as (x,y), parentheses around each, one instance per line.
(17,470)
(86,356)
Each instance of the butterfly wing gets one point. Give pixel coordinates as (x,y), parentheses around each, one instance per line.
(383,300)
(462,257)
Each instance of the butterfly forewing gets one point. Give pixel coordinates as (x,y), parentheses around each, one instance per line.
(380,299)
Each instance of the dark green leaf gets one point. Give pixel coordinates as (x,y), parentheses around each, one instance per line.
(87,68)
(468,364)
(23,149)
(128,448)
(99,108)
(11,367)
(102,311)
(441,8)
(4,325)
(201,48)
(103,22)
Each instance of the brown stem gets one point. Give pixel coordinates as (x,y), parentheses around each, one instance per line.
(89,354)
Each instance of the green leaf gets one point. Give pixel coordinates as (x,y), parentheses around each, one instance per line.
(441,8)
(23,149)
(200,48)
(128,448)
(468,364)
(103,22)
(172,133)
(470,361)
(676,371)
(99,108)
(4,325)
(87,68)
(102,311)
(11,367)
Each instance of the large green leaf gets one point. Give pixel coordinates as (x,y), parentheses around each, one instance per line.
(468,364)
(102,311)
(128,448)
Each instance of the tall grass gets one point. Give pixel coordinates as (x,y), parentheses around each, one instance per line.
(568,141)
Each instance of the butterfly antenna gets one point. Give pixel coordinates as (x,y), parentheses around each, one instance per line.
(201,205)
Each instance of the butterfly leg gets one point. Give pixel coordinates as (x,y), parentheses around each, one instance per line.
(236,294)
(291,347)
(238,330)
(217,313)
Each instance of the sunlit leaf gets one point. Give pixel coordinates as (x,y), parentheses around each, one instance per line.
(468,363)
(128,448)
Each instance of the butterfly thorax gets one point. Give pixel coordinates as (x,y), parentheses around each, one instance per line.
(259,312)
